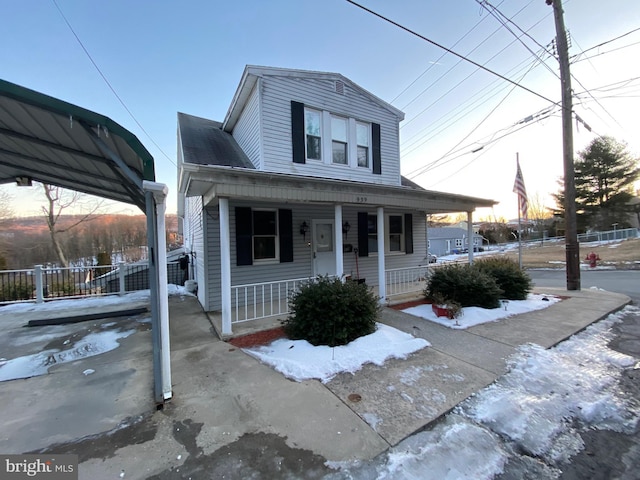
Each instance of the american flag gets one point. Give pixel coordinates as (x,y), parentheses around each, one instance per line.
(518,187)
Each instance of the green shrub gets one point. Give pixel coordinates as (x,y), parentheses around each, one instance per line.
(465,285)
(514,282)
(330,312)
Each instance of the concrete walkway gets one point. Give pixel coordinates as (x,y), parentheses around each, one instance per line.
(221,395)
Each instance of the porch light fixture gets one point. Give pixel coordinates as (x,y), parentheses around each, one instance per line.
(304,228)
(345,228)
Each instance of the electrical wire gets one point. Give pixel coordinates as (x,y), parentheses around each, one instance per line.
(108,83)
(408,30)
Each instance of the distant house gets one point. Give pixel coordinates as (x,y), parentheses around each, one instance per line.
(301,178)
(450,240)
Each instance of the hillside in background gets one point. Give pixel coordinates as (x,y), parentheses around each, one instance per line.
(25,241)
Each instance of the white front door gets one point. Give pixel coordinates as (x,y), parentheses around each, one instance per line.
(324,252)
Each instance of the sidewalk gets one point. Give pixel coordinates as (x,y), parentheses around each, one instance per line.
(229,408)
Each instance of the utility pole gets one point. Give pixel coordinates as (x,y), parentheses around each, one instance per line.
(572,247)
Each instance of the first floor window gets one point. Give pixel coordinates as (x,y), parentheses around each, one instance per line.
(372,231)
(265,230)
(458,242)
(396,233)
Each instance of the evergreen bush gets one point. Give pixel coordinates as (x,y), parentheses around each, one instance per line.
(465,285)
(328,311)
(515,283)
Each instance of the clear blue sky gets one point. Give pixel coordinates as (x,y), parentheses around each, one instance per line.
(163,57)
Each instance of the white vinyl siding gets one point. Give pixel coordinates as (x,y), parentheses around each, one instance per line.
(302,265)
(247,130)
(319,94)
(193,231)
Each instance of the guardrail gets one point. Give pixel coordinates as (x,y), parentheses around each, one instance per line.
(46,283)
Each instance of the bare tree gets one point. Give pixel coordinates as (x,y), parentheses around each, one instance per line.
(538,214)
(59,200)
(6,213)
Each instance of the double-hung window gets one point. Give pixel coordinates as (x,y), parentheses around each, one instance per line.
(395,227)
(265,235)
(313,133)
(395,233)
(339,143)
(362,138)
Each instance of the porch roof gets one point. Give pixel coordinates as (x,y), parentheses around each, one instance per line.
(213,181)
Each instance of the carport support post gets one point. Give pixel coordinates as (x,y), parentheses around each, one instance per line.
(155,195)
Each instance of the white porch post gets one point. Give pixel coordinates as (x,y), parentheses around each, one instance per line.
(225,266)
(382,284)
(338,241)
(470,235)
(37,269)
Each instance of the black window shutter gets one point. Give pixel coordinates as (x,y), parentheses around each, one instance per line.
(377,157)
(297,132)
(408,233)
(244,254)
(363,234)
(285,233)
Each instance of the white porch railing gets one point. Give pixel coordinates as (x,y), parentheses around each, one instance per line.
(259,300)
(406,280)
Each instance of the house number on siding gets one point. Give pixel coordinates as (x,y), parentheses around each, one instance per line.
(361,199)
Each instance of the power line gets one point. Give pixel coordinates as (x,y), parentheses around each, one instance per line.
(448,50)
(604,43)
(109,84)
(579,59)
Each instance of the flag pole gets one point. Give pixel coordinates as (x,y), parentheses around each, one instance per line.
(519,221)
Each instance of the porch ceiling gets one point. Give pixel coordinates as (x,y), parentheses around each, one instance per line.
(213,182)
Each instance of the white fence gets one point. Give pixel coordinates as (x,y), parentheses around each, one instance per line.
(47,283)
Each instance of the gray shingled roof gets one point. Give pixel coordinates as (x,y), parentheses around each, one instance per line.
(205,143)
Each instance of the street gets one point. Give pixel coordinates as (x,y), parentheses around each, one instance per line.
(606,454)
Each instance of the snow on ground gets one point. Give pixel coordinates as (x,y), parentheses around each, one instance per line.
(92,344)
(531,417)
(39,363)
(475,315)
(299,360)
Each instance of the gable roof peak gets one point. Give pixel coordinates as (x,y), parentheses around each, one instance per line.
(252,73)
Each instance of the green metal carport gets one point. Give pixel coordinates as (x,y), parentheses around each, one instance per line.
(51,141)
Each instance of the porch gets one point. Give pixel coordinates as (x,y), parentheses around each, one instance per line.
(264,306)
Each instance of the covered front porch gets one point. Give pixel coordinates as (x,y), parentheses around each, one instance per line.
(351,230)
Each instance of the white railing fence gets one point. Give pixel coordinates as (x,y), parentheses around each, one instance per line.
(260,300)
(47,283)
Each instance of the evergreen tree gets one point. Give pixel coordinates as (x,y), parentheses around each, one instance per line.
(604,175)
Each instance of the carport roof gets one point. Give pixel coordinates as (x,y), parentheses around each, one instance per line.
(51,141)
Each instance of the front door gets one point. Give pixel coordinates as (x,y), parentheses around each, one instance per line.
(324,252)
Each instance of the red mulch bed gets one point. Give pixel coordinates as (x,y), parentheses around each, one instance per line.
(415,303)
(258,339)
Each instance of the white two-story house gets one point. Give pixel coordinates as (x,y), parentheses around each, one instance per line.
(301,178)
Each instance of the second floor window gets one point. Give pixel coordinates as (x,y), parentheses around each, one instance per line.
(362,137)
(339,143)
(313,122)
